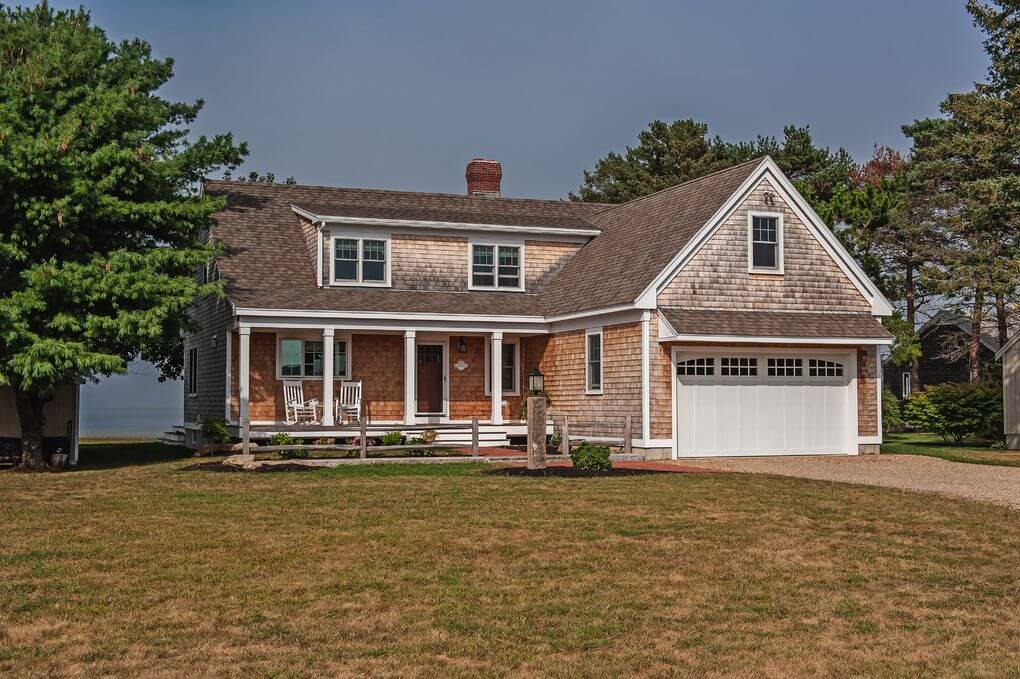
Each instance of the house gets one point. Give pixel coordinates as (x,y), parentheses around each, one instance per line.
(943,331)
(1009,354)
(721,314)
(60,431)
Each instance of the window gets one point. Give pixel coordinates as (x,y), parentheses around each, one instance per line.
(906,385)
(593,361)
(360,261)
(507,366)
(696,366)
(192,381)
(765,243)
(819,368)
(738,367)
(303,358)
(785,367)
(496,266)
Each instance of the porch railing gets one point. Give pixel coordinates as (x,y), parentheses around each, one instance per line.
(362,445)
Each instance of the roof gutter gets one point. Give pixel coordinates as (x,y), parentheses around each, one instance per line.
(753,339)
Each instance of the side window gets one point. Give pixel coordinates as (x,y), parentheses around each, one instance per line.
(906,385)
(765,243)
(192,371)
(593,361)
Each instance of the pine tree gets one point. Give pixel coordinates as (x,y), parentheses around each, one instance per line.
(101,229)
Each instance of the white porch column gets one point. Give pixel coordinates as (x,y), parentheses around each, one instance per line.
(496,376)
(243,377)
(410,361)
(327,377)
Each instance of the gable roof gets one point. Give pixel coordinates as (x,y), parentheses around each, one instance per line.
(638,240)
(717,322)
(948,317)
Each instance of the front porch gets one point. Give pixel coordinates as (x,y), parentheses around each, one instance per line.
(412,380)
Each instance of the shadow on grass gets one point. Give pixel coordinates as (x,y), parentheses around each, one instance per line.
(351,470)
(931,445)
(109,455)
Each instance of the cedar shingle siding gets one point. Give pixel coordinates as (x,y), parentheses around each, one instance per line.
(214,318)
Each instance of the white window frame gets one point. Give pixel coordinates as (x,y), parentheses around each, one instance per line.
(496,244)
(751,268)
(192,372)
(588,389)
(905,386)
(307,338)
(360,238)
(516,390)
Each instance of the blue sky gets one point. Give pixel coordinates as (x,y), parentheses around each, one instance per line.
(401,94)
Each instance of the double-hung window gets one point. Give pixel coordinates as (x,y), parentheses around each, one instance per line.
(192,380)
(765,243)
(496,266)
(593,361)
(507,367)
(303,358)
(361,261)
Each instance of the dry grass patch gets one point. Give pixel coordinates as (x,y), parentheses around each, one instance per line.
(419,570)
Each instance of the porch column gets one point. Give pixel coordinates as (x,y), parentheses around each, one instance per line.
(327,377)
(496,376)
(410,361)
(243,379)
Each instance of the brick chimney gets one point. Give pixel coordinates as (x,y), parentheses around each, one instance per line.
(483,177)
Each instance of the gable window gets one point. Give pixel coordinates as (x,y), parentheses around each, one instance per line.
(507,367)
(303,358)
(820,368)
(593,361)
(697,366)
(192,381)
(765,243)
(906,385)
(361,261)
(496,266)
(738,367)
(785,367)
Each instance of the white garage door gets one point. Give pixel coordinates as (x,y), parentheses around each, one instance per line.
(763,404)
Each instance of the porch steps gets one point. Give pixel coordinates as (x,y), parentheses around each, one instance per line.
(173,436)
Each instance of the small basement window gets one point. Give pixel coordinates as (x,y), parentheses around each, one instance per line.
(765,243)
(696,366)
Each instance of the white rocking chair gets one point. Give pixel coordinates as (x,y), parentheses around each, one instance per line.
(298,409)
(349,403)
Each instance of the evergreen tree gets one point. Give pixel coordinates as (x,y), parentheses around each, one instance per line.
(101,230)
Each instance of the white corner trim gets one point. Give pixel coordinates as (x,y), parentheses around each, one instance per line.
(646,390)
(455,226)
(753,339)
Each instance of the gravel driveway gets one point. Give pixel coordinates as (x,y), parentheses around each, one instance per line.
(1000,485)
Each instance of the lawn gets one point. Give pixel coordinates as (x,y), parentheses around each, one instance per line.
(142,569)
(922,443)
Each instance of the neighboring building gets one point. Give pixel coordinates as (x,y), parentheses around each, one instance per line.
(59,433)
(722,314)
(945,330)
(1010,357)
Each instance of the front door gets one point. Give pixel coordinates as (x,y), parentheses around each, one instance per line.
(430,379)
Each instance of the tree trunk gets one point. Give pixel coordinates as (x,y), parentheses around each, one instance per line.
(1000,318)
(910,297)
(974,342)
(30,416)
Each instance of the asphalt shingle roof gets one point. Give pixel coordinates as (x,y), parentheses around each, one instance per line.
(773,323)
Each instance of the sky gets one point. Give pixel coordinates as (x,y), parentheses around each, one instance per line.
(400,95)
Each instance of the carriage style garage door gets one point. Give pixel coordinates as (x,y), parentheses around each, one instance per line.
(773,403)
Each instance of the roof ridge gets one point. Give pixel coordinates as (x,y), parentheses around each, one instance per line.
(757,160)
(440,194)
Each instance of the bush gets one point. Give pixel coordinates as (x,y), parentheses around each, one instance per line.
(282,438)
(892,413)
(214,430)
(957,411)
(391,438)
(591,458)
(555,440)
(417,441)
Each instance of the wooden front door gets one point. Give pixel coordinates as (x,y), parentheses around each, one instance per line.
(430,379)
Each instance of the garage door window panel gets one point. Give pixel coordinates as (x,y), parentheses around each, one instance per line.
(698,367)
(784,367)
(738,366)
(822,368)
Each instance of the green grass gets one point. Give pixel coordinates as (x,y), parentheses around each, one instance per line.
(922,443)
(124,569)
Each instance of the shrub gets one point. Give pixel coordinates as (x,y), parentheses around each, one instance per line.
(957,411)
(214,430)
(592,458)
(417,441)
(555,440)
(282,438)
(391,438)
(892,413)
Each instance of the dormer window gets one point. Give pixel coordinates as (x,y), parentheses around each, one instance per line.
(361,261)
(765,243)
(497,266)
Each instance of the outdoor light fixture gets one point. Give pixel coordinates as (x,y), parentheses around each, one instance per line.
(536,380)
(461,345)
(214,341)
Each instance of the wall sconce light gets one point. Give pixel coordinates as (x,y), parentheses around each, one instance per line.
(461,345)
(214,341)
(536,380)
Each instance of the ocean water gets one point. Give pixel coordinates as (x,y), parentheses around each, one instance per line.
(135,404)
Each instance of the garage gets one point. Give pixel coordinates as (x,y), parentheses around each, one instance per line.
(774,402)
